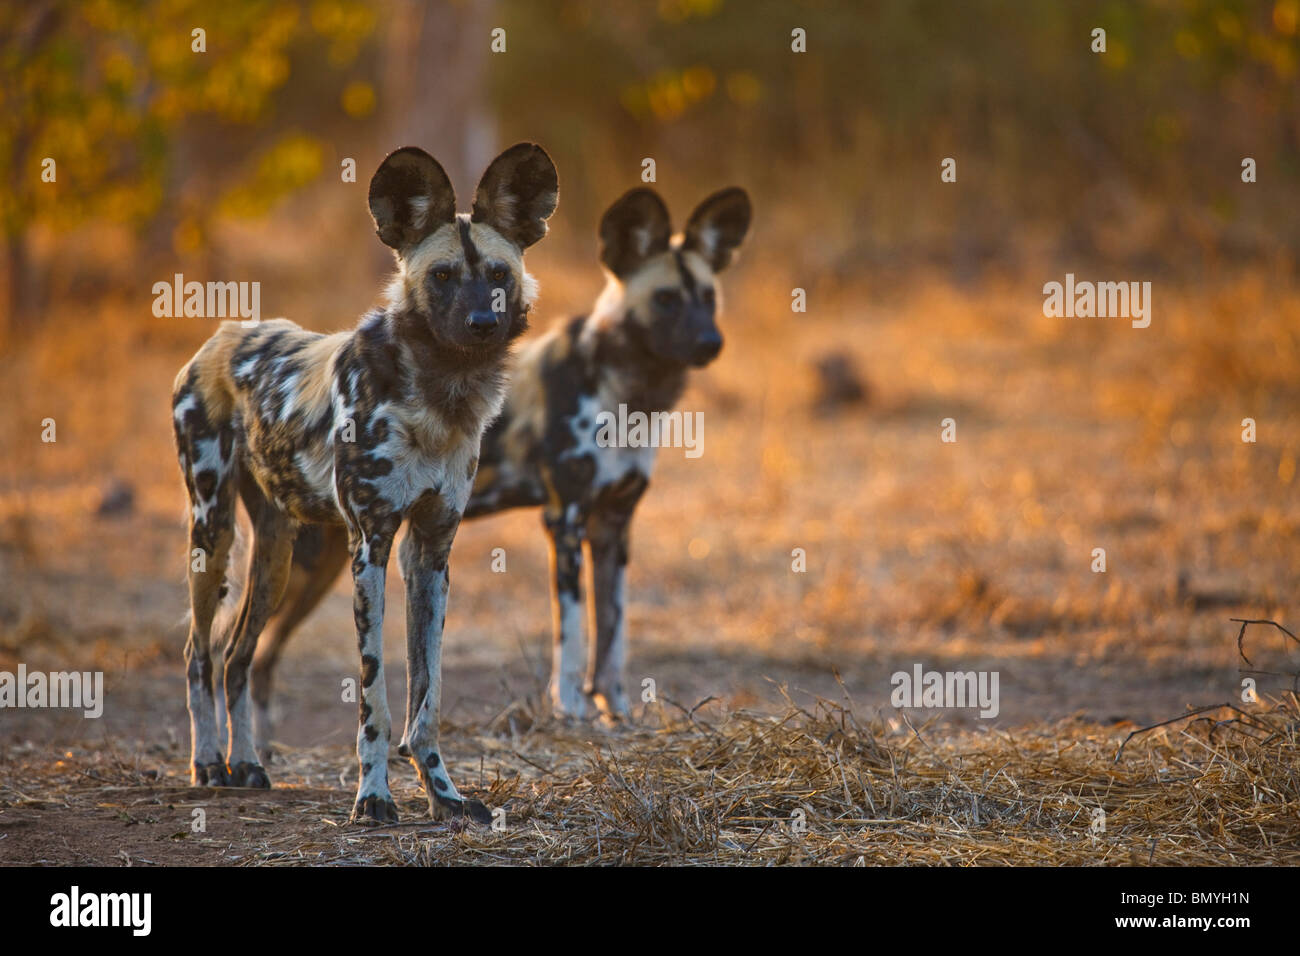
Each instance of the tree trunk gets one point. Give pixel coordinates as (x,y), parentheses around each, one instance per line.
(436,86)
(23,287)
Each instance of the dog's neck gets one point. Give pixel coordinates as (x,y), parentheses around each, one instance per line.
(629,369)
(467,387)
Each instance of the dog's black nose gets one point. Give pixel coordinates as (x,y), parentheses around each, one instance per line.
(706,349)
(482,323)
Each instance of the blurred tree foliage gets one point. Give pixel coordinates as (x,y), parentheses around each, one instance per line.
(853,131)
(117,94)
(1135,151)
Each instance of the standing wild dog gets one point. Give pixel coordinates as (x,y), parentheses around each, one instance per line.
(654,321)
(358,431)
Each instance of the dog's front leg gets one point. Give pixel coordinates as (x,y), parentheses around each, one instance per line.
(565,526)
(423,558)
(608,534)
(370,549)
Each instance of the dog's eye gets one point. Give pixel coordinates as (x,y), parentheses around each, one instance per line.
(498,275)
(442,275)
(666,299)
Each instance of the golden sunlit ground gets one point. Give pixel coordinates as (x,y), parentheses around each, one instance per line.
(1072,435)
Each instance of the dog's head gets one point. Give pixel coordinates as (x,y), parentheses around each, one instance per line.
(464,274)
(667,284)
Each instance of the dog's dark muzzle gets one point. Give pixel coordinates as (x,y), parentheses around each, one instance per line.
(481,323)
(706,348)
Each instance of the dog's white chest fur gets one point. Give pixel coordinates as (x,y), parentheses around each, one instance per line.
(424,455)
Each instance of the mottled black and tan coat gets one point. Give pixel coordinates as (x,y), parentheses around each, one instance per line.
(357,432)
(655,320)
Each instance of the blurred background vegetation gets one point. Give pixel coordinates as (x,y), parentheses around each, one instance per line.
(167,157)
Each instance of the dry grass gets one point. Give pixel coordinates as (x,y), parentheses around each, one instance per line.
(734,790)
(711,786)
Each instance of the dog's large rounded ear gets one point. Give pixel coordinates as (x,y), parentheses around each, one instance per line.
(410,197)
(718,226)
(518,193)
(632,230)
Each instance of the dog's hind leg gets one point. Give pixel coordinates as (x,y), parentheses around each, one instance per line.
(205,446)
(319,554)
(268,571)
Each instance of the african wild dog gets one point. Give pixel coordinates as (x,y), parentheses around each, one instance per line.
(358,431)
(654,321)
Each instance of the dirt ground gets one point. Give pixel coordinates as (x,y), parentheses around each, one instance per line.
(1072,435)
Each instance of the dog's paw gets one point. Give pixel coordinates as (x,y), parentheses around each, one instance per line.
(612,723)
(612,710)
(374,808)
(571,709)
(446,808)
(245,774)
(210,774)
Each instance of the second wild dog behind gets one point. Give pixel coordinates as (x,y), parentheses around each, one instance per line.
(655,320)
(359,431)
